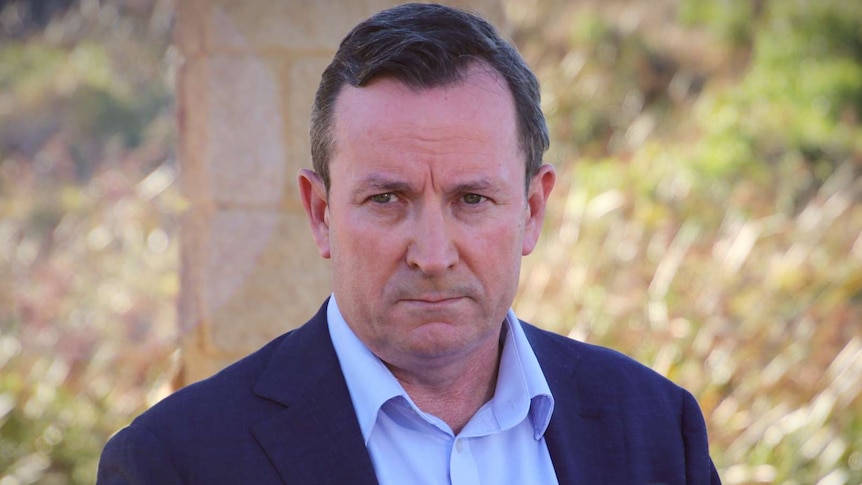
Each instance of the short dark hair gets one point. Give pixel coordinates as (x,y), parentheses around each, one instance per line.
(426,46)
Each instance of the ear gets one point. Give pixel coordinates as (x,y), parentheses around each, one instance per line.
(316,204)
(537,198)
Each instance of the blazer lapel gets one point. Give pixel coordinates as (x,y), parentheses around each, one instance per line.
(316,438)
(585,436)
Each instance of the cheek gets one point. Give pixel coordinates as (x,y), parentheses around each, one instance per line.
(363,253)
(496,254)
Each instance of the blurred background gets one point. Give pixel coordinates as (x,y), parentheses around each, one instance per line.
(707,220)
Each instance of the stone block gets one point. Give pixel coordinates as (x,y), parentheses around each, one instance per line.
(303,78)
(302,24)
(297,24)
(255,275)
(193,125)
(199,364)
(246,152)
(190,32)
(194,230)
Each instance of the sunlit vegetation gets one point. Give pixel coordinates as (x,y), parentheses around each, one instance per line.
(88,225)
(708,218)
(706,221)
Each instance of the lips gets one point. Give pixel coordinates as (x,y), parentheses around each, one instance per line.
(434,305)
(431,295)
(433,299)
(431,292)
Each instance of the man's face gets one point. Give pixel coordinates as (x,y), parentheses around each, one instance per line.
(426,218)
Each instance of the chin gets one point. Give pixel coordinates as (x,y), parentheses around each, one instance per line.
(443,339)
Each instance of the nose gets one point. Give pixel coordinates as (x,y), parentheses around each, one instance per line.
(431,248)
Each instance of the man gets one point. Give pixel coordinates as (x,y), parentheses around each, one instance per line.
(428,188)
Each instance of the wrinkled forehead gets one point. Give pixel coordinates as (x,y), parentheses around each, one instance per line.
(387,126)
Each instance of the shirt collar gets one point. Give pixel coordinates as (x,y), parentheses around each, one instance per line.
(370,383)
(521,378)
(520,382)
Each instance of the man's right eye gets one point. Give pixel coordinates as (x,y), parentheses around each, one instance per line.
(383,198)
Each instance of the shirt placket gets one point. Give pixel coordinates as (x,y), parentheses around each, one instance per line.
(462,464)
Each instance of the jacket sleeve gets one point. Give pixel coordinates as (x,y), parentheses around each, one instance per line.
(136,456)
(699,468)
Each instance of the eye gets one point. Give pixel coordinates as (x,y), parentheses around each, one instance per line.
(473,199)
(383,198)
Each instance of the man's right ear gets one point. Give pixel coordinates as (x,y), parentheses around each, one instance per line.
(316,204)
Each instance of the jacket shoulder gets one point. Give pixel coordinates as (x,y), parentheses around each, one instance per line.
(600,371)
(653,426)
(203,432)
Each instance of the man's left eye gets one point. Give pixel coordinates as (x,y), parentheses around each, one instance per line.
(473,199)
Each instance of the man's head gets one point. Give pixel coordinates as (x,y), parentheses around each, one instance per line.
(425,46)
(424,213)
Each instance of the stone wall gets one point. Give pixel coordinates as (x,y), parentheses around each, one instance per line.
(249,269)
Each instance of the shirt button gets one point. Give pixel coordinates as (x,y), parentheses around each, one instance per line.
(458,445)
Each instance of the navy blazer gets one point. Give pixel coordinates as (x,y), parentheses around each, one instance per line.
(284,415)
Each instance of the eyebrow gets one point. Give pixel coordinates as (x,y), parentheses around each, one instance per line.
(481,185)
(383,184)
(380,183)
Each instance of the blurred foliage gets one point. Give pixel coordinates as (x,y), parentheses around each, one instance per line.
(88,222)
(706,220)
(710,156)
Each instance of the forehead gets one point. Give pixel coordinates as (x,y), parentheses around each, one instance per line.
(479,107)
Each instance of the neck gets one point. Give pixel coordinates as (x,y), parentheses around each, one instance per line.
(453,392)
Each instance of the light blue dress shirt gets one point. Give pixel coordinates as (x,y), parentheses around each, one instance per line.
(503,443)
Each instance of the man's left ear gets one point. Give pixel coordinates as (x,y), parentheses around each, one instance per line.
(537,198)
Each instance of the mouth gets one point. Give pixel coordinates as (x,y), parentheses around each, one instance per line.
(433,299)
